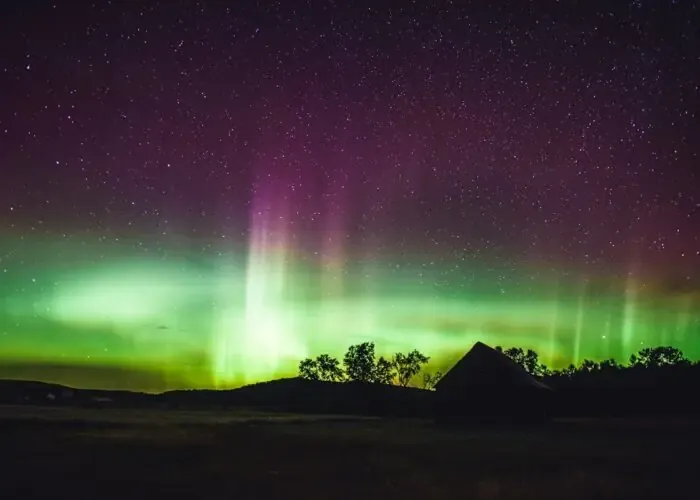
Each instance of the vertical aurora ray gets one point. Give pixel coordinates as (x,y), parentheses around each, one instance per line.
(578,336)
(683,319)
(551,353)
(227,327)
(629,318)
(332,280)
(263,333)
(268,324)
(606,337)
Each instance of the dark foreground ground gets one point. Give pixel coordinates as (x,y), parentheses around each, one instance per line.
(106,454)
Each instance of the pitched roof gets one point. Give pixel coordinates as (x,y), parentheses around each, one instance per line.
(485,367)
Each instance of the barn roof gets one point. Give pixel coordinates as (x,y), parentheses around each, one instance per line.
(485,367)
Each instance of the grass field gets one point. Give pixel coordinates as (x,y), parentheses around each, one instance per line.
(72,453)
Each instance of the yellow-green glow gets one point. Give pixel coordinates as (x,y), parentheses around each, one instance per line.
(227,317)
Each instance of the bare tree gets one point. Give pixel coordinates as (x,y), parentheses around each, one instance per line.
(409,365)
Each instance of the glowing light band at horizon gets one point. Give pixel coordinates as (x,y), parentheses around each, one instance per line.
(231,318)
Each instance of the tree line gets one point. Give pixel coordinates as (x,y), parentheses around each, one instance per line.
(648,362)
(360,364)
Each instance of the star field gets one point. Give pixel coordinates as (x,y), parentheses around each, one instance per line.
(235,184)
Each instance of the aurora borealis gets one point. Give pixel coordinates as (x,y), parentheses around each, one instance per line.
(196,195)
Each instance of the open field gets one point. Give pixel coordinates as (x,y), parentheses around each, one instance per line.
(76,453)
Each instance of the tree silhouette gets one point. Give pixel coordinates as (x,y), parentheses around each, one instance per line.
(329,368)
(384,371)
(324,367)
(360,366)
(529,360)
(569,371)
(308,369)
(431,380)
(532,364)
(655,357)
(610,365)
(409,365)
(359,362)
(514,353)
(588,366)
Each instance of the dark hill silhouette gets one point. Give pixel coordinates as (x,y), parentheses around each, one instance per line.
(657,381)
(312,396)
(285,395)
(45,393)
(639,391)
(25,391)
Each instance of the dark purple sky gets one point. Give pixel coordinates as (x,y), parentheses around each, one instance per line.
(541,131)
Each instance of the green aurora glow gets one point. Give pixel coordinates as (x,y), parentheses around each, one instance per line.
(107,316)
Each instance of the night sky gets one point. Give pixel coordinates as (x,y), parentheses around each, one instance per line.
(199,195)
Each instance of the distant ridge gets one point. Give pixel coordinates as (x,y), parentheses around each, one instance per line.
(286,395)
